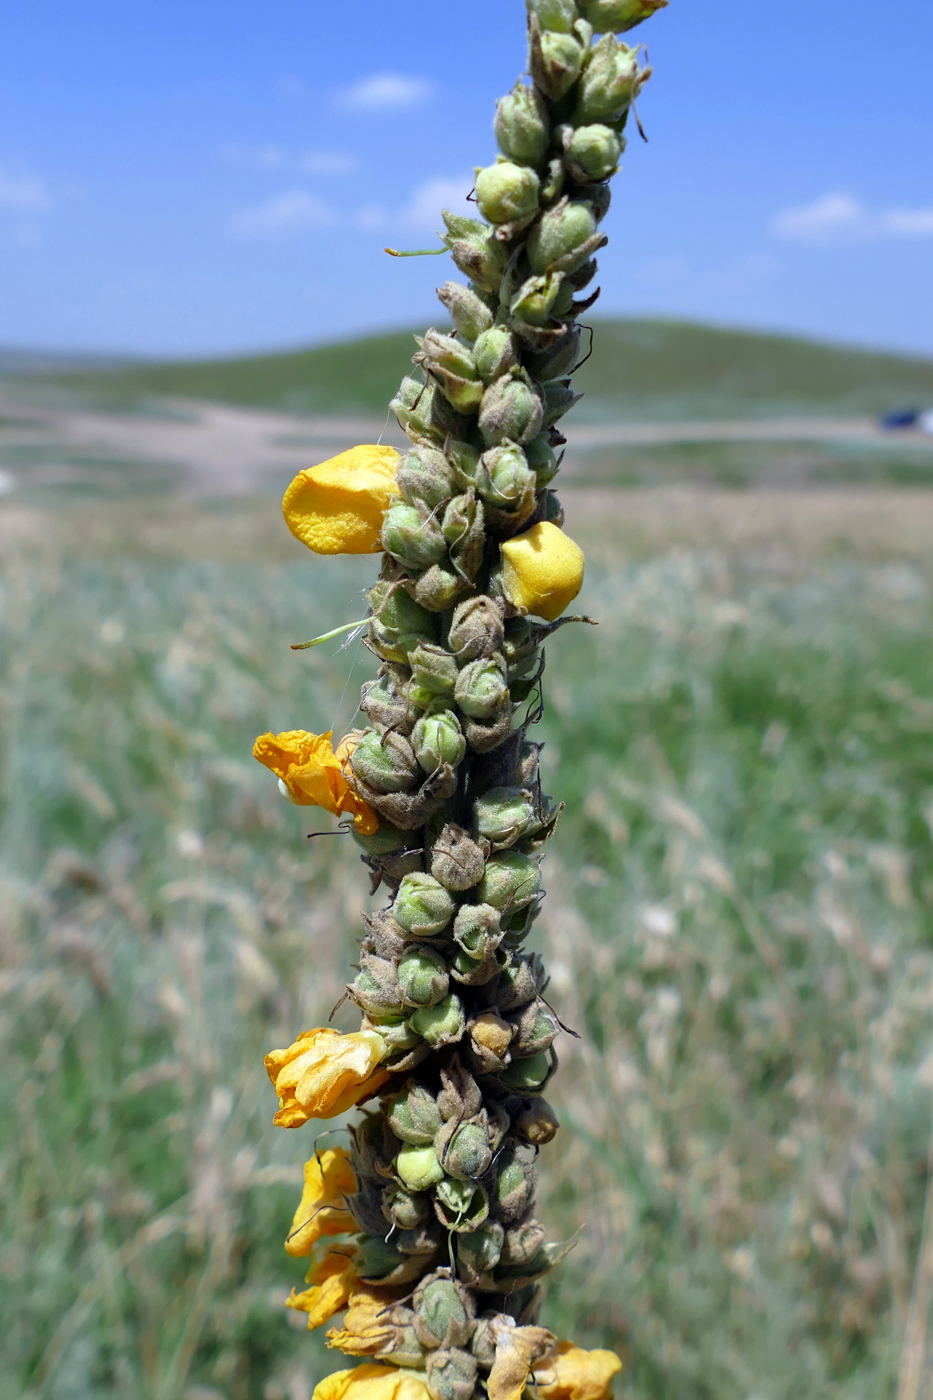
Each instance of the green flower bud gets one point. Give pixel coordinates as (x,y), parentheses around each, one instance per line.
(555,62)
(433,669)
(438,738)
(442,1024)
(464,458)
(617,16)
(542,459)
(476,629)
(477,929)
(451,1375)
(522,1242)
(535,1122)
(375,988)
(386,762)
(438,589)
(425,477)
(593,153)
(422,907)
(481,690)
(384,841)
(423,413)
(562,236)
(379,1262)
(422,978)
(480,1250)
(559,398)
(395,1031)
(469,313)
(385,703)
(520,647)
(559,15)
(478,255)
(398,623)
(451,365)
(402,1349)
(463,526)
(537,299)
(557,360)
(611,81)
(418,1167)
(535,1029)
(506,192)
(483,1343)
(414,541)
(495,353)
(527,1074)
(514,1191)
(404,1209)
(413,1115)
(460,1205)
(518,984)
(476,972)
(505,479)
(503,815)
(423,1238)
(510,881)
(553,510)
(553,182)
(510,410)
(522,127)
(444,1313)
(467,1155)
(456,860)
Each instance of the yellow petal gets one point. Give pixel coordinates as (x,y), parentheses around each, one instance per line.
(575,1374)
(324,1073)
(328,1180)
(373,1382)
(337,507)
(314,774)
(518,1350)
(542,570)
(333,1280)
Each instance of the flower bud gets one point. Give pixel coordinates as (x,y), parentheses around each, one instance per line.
(422,1238)
(503,815)
(451,1375)
(520,647)
(527,1074)
(426,414)
(386,762)
(556,360)
(460,1205)
(522,1242)
(593,153)
(506,192)
(445,352)
(422,978)
(469,313)
(375,988)
(441,1024)
(476,629)
(413,1115)
(507,486)
(438,738)
(559,398)
(611,81)
(477,929)
(439,587)
(535,1122)
(425,477)
(559,15)
(518,984)
(398,624)
(395,1032)
(617,16)
(463,527)
(555,62)
(535,1029)
(385,703)
(414,541)
(456,860)
(480,690)
(479,1251)
(433,669)
(422,907)
(404,1209)
(490,1037)
(538,298)
(463,391)
(562,237)
(515,1181)
(444,1312)
(479,256)
(464,459)
(495,353)
(379,1262)
(476,972)
(418,1167)
(510,410)
(522,126)
(466,1153)
(510,881)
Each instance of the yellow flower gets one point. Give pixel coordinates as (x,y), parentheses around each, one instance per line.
(575,1374)
(337,507)
(324,1073)
(314,774)
(367,1327)
(329,1180)
(518,1351)
(332,1280)
(542,570)
(372,1382)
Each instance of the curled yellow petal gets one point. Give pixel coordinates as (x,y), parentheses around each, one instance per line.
(324,1073)
(518,1351)
(373,1382)
(328,1180)
(542,570)
(368,1326)
(575,1374)
(332,1280)
(314,774)
(337,506)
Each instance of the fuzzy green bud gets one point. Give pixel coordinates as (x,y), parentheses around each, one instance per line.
(444,352)
(422,978)
(456,860)
(375,993)
(414,541)
(510,881)
(559,398)
(438,738)
(385,841)
(395,1031)
(398,623)
(480,1250)
(503,814)
(535,1029)
(527,1074)
(444,1313)
(506,192)
(561,237)
(617,16)
(518,984)
(422,907)
(542,459)
(433,669)
(425,477)
(469,313)
(413,1115)
(468,1154)
(463,1204)
(451,1374)
(477,929)
(495,353)
(557,360)
(426,414)
(593,152)
(463,526)
(510,410)
(481,689)
(418,1167)
(476,629)
(522,1242)
(538,298)
(522,127)
(380,1262)
(438,588)
(385,703)
(555,62)
(478,255)
(515,1181)
(559,15)
(442,1024)
(505,478)
(611,81)
(386,762)
(403,1208)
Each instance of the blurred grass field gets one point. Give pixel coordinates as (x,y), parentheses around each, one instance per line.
(738,925)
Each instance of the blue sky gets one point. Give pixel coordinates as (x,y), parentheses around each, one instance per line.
(193,176)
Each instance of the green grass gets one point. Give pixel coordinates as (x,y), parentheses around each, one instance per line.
(738,925)
(643,369)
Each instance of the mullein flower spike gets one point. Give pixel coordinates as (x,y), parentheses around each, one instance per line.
(424,1234)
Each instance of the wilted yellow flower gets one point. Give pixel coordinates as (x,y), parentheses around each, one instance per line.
(372,1382)
(518,1351)
(332,1280)
(329,1180)
(314,774)
(337,507)
(367,1327)
(324,1073)
(575,1374)
(542,570)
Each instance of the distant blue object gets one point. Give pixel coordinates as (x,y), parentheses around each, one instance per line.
(900,418)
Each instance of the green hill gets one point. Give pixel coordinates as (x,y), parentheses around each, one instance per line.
(642,369)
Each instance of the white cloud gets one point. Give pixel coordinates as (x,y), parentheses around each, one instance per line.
(840,218)
(423,210)
(328,163)
(385,91)
(293,212)
(23,192)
